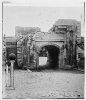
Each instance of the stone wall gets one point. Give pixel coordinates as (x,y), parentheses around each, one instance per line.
(62,34)
(23,37)
(71,30)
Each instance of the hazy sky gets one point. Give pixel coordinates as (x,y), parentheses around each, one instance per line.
(43,17)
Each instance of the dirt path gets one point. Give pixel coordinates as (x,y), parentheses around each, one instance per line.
(47,84)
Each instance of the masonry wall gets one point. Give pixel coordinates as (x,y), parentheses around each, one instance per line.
(63,34)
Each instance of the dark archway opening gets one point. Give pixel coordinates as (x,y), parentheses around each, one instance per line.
(52,54)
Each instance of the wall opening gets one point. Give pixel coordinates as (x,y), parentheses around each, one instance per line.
(50,54)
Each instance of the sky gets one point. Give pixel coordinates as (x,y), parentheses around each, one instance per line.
(38,16)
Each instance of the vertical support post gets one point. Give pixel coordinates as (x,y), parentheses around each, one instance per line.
(7,76)
(12,75)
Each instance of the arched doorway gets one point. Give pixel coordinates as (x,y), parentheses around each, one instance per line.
(52,53)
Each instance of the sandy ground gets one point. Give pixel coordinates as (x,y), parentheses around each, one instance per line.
(46,84)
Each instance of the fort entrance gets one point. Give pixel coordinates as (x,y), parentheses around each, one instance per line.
(50,46)
(51,52)
(58,45)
